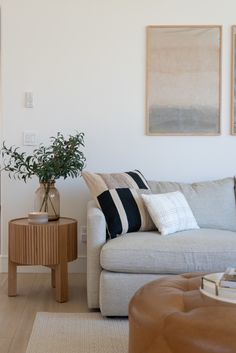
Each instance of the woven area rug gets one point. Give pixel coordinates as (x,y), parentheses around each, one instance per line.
(78,333)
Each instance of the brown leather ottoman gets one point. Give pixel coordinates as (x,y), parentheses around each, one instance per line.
(170,315)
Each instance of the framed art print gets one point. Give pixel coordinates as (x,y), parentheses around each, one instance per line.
(233,82)
(183,80)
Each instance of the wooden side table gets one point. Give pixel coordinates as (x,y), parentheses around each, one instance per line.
(52,244)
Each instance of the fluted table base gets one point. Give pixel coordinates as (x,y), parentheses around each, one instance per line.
(53,244)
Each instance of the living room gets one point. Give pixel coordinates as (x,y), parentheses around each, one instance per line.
(84,63)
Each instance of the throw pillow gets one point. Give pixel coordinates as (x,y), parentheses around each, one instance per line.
(124,211)
(212,202)
(99,182)
(170,212)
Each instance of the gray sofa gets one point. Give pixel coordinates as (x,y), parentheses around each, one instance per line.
(118,267)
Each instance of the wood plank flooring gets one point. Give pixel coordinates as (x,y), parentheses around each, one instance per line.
(35,294)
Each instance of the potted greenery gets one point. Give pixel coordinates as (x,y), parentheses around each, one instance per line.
(63,158)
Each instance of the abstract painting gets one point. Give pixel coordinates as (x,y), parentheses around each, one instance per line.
(233,83)
(183,92)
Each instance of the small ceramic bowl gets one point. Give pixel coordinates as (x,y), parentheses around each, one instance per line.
(38,217)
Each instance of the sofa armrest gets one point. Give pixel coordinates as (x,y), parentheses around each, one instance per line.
(96,238)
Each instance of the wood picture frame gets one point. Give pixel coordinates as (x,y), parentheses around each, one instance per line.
(233,80)
(183,80)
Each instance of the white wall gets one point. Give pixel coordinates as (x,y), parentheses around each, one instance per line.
(85,62)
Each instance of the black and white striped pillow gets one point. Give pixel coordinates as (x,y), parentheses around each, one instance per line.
(100,182)
(125,211)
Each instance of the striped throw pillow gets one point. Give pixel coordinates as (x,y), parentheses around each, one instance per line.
(100,182)
(124,211)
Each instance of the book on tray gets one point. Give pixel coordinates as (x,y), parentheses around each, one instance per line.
(228,279)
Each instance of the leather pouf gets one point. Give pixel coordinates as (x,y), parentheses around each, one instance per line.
(170,315)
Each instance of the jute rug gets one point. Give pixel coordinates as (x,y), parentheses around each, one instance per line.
(78,333)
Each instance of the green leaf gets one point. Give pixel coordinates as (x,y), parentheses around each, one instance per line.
(63,158)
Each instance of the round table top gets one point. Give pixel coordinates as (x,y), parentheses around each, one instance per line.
(60,221)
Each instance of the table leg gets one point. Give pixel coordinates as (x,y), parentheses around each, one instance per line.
(61,277)
(53,280)
(12,267)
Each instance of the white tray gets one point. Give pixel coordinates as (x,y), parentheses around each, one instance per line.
(211,288)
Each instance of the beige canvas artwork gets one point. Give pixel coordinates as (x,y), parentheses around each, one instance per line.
(233,89)
(183,80)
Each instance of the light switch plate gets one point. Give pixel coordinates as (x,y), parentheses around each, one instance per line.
(29,100)
(29,138)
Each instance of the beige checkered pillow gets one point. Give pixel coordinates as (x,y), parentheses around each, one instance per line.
(170,212)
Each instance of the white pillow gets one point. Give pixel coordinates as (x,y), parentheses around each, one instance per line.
(170,212)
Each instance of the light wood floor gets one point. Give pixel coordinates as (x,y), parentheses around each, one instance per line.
(34,294)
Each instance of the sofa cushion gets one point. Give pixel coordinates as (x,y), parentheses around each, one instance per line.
(100,182)
(124,211)
(188,251)
(212,202)
(170,212)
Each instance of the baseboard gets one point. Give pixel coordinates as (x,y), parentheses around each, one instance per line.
(77,266)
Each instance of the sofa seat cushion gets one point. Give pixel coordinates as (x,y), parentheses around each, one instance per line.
(207,250)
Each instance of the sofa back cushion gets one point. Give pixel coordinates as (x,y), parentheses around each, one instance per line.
(212,202)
